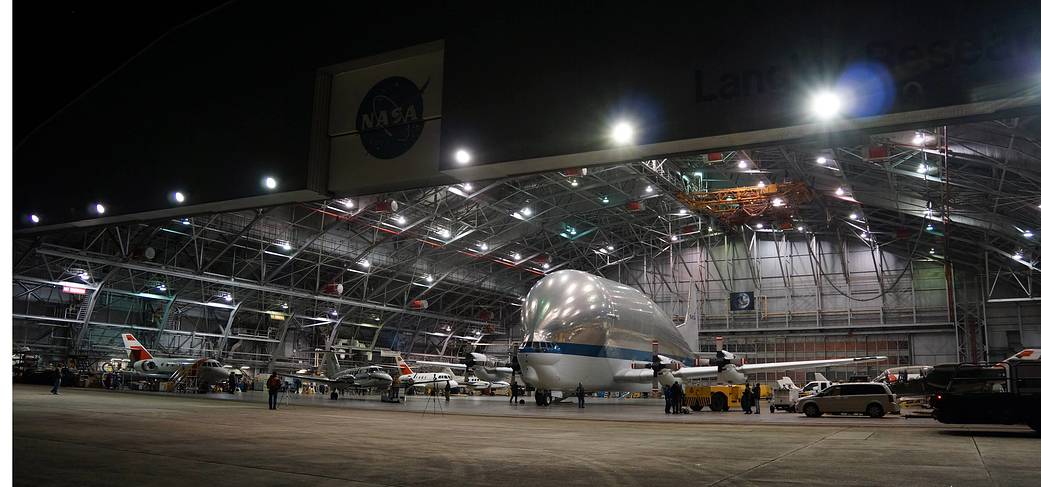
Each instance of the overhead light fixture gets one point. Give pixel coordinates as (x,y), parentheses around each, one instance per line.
(1019,255)
(178,197)
(864,235)
(932,251)
(1028,234)
(364,263)
(84,275)
(526,211)
(400,219)
(761,184)
(468,187)
(483,246)
(853,216)
(285,245)
(683,211)
(778,202)
(228,297)
(648,189)
(839,191)
(674,238)
(604,200)
(34,218)
(333,312)
(929,227)
(545,265)
(918,139)
(825,105)
(349,203)
(710,229)
(921,169)
(610,248)
(429,278)
(699,174)
(99,208)
(821,160)
(742,164)
(574,183)
(516,256)
(759,226)
(462,156)
(801,228)
(270,182)
(444,233)
(285,305)
(622,133)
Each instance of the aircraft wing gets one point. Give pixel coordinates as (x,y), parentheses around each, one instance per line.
(443,364)
(708,371)
(315,378)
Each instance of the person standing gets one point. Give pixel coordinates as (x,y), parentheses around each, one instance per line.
(756,391)
(677,398)
(448,392)
(581,393)
(57,378)
(746,399)
(514,392)
(668,399)
(274,384)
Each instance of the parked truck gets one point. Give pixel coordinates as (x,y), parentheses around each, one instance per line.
(1008,392)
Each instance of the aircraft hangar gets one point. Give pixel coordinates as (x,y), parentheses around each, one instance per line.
(409,229)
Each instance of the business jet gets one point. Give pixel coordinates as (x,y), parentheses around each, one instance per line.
(431,381)
(366,377)
(486,372)
(144,365)
(581,328)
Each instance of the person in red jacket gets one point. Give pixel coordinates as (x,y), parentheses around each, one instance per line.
(274,384)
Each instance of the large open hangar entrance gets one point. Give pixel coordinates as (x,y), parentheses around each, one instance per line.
(437,272)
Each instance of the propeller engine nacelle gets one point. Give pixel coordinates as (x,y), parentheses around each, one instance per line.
(730,375)
(145,365)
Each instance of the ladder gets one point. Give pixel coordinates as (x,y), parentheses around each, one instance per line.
(186,379)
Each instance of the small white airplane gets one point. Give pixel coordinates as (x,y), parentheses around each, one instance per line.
(475,383)
(428,380)
(581,328)
(486,369)
(365,377)
(144,364)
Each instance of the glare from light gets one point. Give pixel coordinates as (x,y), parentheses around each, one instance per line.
(462,156)
(429,278)
(742,164)
(516,256)
(932,251)
(610,248)
(444,232)
(921,169)
(761,184)
(349,203)
(853,216)
(801,228)
(839,191)
(864,235)
(574,183)
(759,225)
(622,133)
(604,200)
(778,202)
(1018,256)
(929,227)
(364,263)
(483,246)
(228,297)
(285,305)
(178,197)
(648,189)
(683,211)
(286,246)
(545,265)
(35,218)
(334,312)
(526,211)
(468,186)
(1028,234)
(918,139)
(270,183)
(85,276)
(99,208)
(674,238)
(825,105)
(400,219)
(699,174)
(710,229)
(821,160)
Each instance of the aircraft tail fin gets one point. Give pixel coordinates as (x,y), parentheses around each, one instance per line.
(137,351)
(691,321)
(332,364)
(405,369)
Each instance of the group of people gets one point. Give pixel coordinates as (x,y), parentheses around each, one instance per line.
(674,398)
(111,380)
(750,398)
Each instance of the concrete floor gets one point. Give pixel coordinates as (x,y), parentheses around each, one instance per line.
(95,437)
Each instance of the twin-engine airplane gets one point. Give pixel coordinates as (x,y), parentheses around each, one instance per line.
(581,328)
(144,364)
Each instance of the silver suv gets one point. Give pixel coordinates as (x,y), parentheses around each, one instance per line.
(872,399)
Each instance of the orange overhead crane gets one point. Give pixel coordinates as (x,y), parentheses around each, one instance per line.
(735,206)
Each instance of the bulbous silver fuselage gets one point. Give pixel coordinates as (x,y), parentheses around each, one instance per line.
(583,328)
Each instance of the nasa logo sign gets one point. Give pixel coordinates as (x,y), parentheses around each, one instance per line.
(390,117)
(742,301)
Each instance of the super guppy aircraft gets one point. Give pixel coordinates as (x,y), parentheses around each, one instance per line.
(581,328)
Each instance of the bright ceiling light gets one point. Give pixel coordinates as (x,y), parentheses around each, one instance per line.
(825,105)
(545,265)
(161,287)
(610,248)
(468,186)
(839,191)
(1019,255)
(761,184)
(228,297)
(1028,234)
(334,312)
(574,183)
(270,182)
(349,203)
(364,263)
(821,160)
(778,202)
(710,229)
(853,216)
(918,139)
(285,305)
(683,211)
(400,219)
(526,211)
(674,238)
(622,133)
(516,256)
(742,164)
(99,208)
(759,225)
(801,228)
(286,245)
(648,189)
(929,227)
(604,200)
(462,156)
(444,232)
(84,275)
(921,169)
(429,278)
(34,218)
(185,221)
(178,197)
(483,246)
(932,251)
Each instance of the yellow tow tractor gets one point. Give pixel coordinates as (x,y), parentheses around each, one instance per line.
(719,397)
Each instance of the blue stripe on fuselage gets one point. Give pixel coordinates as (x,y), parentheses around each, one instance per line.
(598,351)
